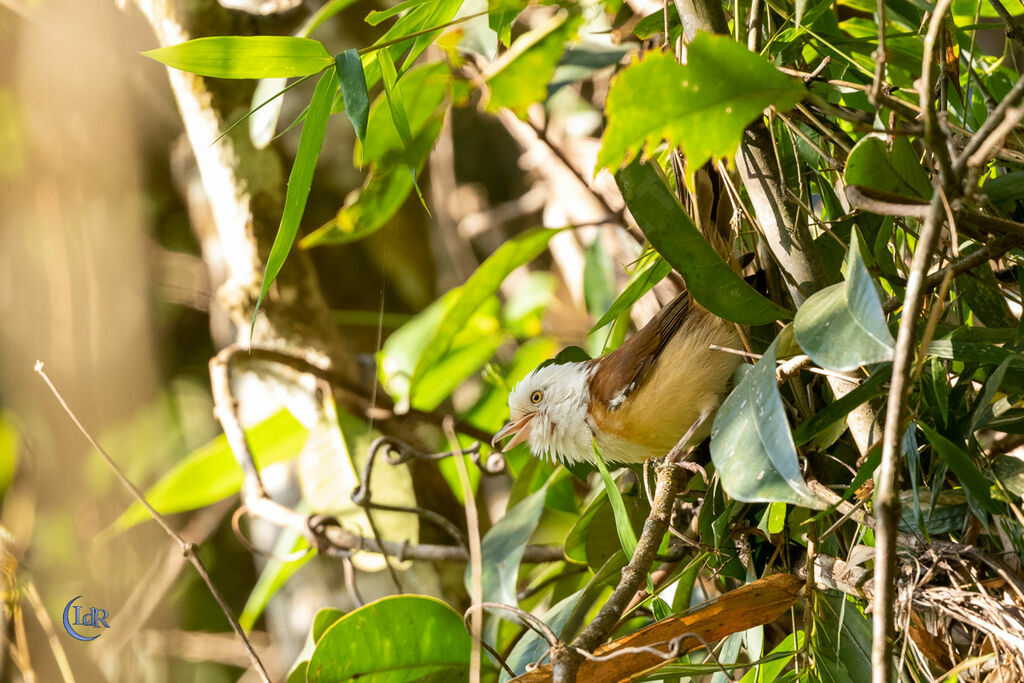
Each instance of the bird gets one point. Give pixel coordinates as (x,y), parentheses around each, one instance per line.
(660,388)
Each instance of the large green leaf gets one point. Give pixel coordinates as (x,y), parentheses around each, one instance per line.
(708,278)
(702,106)
(751,445)
(520,76)
(842,327)
(245,56)
(210,473)
(872,164)
(503,545)
(393,640)
(480,286)
(300,179)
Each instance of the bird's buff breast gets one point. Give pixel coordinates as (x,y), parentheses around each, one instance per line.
(688,380)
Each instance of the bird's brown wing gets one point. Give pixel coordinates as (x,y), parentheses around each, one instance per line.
(624,370)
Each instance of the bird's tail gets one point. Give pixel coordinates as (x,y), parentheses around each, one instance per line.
(709,205)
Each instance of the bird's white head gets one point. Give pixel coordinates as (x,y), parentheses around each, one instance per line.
(548,411)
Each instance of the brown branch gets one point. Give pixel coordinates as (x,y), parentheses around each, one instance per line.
(188,549)
(565,660)
(989,126)
(887,501)
(380,408)
(324,533)
(988,252)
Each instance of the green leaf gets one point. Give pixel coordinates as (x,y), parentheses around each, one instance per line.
(871,164)
(576,539)
(352,82)
(210,473)
(708,278)
(479,287)
(10,449)
(702,106)
(841,641)
(751,446)
(395,639)
(503,545)
(245,56)
(598,278)
(837,410)
(394,97)
(623,525)
(973,481)
(500,16)
(642,282)
(1004,188)
(520,76)
(299,180)
(842,327)
(376,17)
(369,208)
(460,362)
(983,293)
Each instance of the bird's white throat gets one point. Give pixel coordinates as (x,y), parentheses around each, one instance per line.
(560,427)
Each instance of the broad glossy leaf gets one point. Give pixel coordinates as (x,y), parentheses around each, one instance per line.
(520,76)
(871,164)
(480,286)
(245,56)
(300,180)
(1009,469)
(842,327)
(702,106)
(503,545)
(395,639)
(708,278)
(210,473)
(352,82)
(576,540)
(751,446)
(641,283)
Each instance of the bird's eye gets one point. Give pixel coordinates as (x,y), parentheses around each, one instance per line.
(536,397)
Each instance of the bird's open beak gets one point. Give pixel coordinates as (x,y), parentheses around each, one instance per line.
(518,429)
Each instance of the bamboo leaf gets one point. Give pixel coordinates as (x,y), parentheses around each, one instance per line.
(299,180)
(352,82)
(245,56)
(710,279)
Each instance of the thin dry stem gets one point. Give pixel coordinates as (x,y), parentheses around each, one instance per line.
(188,549)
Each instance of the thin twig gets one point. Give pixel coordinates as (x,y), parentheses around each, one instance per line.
(566,660)
(887,501)
(476,581)
(188,549)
